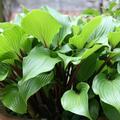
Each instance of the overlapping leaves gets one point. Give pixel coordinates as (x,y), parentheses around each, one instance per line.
(98,31)
(86,43)
(15,97)
(10,40)
(41,25)
(107,90)
(77,102)
(38,61)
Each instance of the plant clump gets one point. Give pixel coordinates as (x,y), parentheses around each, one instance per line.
(56,66)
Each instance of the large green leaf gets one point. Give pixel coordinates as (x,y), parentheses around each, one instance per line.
(41,25)
(98,31)
(13,100)
(64,20)
(15,97)
(108,90)
(77,102)
(90,51)
(110,112)
(80,40)
(100,35)
(114,38)
(31,86)
(94,108)
(14,37)
(5,48)
(87,68)
(4,70)
(10,40)
(38,61)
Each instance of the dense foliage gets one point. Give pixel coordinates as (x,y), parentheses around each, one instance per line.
(60,67)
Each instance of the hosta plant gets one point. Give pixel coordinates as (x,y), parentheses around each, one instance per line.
(60,67)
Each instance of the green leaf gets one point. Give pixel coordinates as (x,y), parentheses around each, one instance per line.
(10,40)
(76,29)
(76,41)
(112,5)
(65,49)
(87,68)
(77,102)
(118,67)
(5,48)
(38,61)
(31,86)
(117,14)
(91,12)
(12,99)
(15,97)
(4,70)
(80,40)
(14,37)
(94,108)
(41,25)
(90,51)
(110,112)
(100,35)
(67,59)
(26,43)
(108,90)
(114,38)
(4,26)
(64,20)
(115,55)
(117,29)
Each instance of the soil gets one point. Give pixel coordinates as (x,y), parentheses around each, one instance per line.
(3,117)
